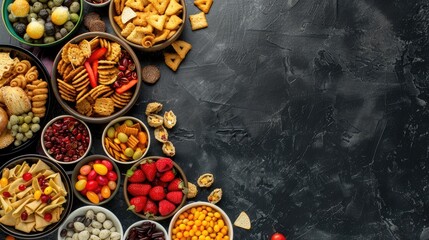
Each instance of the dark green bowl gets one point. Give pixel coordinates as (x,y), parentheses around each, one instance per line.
(11,31)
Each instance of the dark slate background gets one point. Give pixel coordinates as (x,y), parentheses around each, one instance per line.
(310,113)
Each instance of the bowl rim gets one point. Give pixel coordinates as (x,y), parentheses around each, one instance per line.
(98,120)
(40,66)
(156,47)
(12,33)
(158,226)
(98,4)
(120,119)
(69,197)
(86,160)
(96,209)
(157,218)
(225,216)
(45,151)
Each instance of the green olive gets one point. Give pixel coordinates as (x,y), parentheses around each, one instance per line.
(35,120)
(137,154)
(29,134)
(123,138)
(128,122)
(74,7)
(27,119)
(74,17)
(129,152)
(25,128)
(111,132)
(35,127)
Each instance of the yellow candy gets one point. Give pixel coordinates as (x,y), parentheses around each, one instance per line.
(48,190)
(100,169)
(37,194)
(3,182)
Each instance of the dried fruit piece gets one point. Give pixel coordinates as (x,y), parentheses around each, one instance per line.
(215,196)
(205,180)
(155,120)
(161,134)
(170,119)
(153,107)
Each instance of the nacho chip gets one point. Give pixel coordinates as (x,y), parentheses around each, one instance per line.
(173,22)
(135,4)
(160,5)
(181,47)
(172,60)
(157,21)
(243,221)
(198,21)
(136,36)
(173,8)
(204,5)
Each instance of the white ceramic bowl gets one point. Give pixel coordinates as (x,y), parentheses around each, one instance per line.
(158,227)
(45,150)
(120,120)
(82,210)
(97,5)
(225,217)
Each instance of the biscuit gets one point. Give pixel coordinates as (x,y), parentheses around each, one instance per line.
(97,26)
(150,74)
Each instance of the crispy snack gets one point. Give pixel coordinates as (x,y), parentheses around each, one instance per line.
(72,74)
(66,90)
(205,180)
(150,74)
(168,149)
(173,22)
(153,108)
(75,55)
(135,4)
(6,139)
(129,28)
(136,36)
(114,53)
(172,60)
(18,81)
(198,21)
(170,119)
(161,134)
(118,21)
(64,53)
(215,196)
(181,47)
(132,141)
(155,120)
(173,8)
(131,131)
(140,19)
(204,5)
(85,47)
(104,106)
(121,100)
(148,41)
(16,100)
(243,221)
(157,21)
(192,190)
(160,5)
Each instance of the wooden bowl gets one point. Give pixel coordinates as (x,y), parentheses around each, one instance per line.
(156,47)
(69,106)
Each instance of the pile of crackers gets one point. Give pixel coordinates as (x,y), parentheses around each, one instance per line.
(148,22)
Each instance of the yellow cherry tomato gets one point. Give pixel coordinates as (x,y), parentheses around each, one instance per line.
(80,185)
(93,197)
(48,190)
(105,192)
(100,169)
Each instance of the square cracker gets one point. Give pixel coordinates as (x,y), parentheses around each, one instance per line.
(172,60)
(136,36)
(173,8)
(204,5)
(181,47)
(198,21)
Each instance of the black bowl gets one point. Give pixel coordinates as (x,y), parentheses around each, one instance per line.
(44,75)
(30,159)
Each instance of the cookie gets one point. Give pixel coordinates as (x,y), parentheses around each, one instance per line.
(150,74)
(97,26)
(90,17)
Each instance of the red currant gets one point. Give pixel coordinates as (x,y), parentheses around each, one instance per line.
(27,176)
(24,215)
(44,198)
(7,194)
(22,187)
(47,217)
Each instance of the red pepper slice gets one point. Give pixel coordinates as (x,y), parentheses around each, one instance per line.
(97,54)
(127,86)
(95,70)
(91,76)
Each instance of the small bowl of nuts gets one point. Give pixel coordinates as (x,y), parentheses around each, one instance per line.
(97,3)
(91,222)
(96,180)
(66,139)
(146,229)
(126,140)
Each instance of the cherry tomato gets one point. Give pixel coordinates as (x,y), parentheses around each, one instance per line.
(97,161)
(22,187)
(80,185)
(27,176)
(105,192)
(112,176)
(112,185)
(91,185)
(108,164)
(91,175)
(47,217)
(81,177)
(100,169)
(85,169)
(102,180)
(93,197)
(278,236)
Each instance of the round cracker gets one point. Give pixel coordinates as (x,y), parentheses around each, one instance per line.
(150,74)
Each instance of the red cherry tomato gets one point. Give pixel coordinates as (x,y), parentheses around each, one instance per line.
(92,175)
(91,185)
(108,164)
(102,180)
(112,176)
(27,176)
(278,236)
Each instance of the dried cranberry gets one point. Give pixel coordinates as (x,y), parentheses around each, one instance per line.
(24,215)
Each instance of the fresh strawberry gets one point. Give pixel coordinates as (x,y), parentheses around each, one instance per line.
(139,189)
(136,176)
(175,197)
(157,193)
(168,176)
(164,164)
(176,185)
(149,169)
(166,207)
(150,208)
(137,203)
(158,182)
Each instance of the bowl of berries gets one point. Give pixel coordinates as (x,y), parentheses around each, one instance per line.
(37,191)
(95,180)
(66,139)
(155,187)
(96,77)
(42,23)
